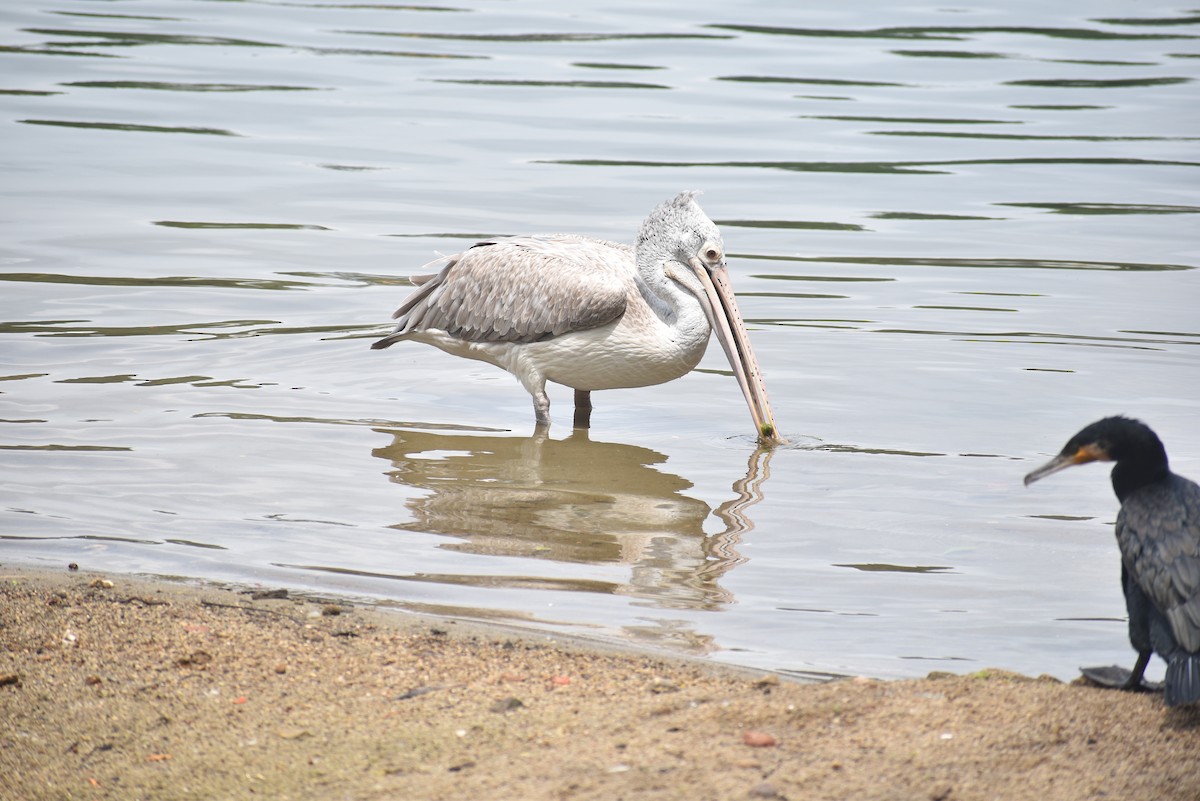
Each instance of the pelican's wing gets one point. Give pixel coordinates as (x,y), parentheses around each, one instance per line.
(1158,530)
(521,289)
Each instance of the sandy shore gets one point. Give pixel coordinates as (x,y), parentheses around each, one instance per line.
(116,688)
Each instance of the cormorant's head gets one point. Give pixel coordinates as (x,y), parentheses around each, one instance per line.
(1113,439)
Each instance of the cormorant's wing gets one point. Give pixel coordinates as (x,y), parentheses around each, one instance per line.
(1158,530)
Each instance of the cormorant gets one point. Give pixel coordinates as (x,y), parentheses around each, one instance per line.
(1158,531)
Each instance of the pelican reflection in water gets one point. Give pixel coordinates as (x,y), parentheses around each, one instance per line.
(591,314)
(575,501)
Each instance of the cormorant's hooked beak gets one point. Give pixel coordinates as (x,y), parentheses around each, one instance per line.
(726,321)
(1083,455)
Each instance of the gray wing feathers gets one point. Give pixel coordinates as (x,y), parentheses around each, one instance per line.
(521,289)
(1158,531)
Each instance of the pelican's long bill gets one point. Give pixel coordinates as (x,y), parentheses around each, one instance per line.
(726,322)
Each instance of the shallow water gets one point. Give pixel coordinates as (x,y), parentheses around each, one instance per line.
(958,234)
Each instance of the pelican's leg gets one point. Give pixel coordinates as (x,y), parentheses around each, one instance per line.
(583,408)
(516,361)
(541,407)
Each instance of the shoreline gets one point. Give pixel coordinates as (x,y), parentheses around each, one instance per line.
(115,687)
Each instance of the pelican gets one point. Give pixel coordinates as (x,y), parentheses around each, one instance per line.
(590,314)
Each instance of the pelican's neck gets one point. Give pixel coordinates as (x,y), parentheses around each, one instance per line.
(674,304)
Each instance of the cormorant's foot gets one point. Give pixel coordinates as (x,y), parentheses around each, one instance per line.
(1114,677)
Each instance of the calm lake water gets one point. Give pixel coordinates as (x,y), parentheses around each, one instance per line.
(959,233)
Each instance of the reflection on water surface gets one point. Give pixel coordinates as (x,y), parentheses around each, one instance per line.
(576,500)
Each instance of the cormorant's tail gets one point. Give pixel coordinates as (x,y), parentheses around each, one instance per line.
(1183,680)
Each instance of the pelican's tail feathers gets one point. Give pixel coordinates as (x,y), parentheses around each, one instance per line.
(388,341)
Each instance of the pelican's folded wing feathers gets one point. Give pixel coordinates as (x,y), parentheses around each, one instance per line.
(522,289)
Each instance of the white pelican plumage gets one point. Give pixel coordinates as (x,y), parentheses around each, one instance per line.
(590,314)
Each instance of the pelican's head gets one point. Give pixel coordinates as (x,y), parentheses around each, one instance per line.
(679,231)
(680,242)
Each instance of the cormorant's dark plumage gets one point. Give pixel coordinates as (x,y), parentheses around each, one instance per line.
(1158,531)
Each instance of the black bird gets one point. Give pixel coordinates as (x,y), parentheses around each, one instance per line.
(1158,531)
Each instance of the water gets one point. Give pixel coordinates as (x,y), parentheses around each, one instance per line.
(958,233)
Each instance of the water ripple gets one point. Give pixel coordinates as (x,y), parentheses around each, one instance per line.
(538,37)
(238,226)
(596,65)
(878,167)
(791,224)
(1106,208)
(128,38)
(1085,83)
(150,281)
(948,32)
(994,264)
(1192,20)
(948,54)
(566,84)
(173,86)
(1034,137)
(909,120)
(126,126)
(48,50)
(70,328)
(143,17)
(817,81)
(71,448)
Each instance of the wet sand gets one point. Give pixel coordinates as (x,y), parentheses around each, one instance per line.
(120,688)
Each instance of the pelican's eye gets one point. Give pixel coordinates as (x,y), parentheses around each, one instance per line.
(711,254)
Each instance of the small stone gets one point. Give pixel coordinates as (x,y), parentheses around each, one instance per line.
(507,704)
(767,683)
(196,659)
(72,567)
(765,790)
(758,739)
(281,668)
(103,584)
(92,681)
(293,734)
(660,685)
